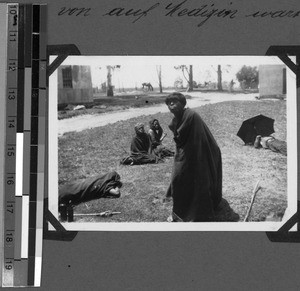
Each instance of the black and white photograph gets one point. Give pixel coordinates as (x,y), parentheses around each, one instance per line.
(154,142)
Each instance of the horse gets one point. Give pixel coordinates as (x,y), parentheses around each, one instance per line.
(148,86)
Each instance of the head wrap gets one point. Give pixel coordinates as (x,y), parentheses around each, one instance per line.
(176,96)
(138,126)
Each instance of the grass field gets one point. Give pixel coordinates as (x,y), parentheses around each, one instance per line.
(100,150)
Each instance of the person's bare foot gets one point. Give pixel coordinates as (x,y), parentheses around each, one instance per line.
(115,192)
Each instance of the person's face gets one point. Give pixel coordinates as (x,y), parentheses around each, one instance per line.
(175,107)
(156,124)
(141,130)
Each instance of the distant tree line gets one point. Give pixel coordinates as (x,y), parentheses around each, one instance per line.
(247,77)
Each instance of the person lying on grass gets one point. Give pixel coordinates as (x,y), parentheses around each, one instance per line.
(196,182)
(270,142)
(156,137)
(140,148)
(100,186)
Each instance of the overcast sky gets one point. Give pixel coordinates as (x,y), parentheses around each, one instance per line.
(135,70)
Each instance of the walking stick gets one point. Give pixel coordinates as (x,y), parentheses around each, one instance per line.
(103,214)
(256,189)
(124,149)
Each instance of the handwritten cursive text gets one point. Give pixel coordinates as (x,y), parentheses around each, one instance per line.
(74,11)
(136,13)
(275,14)
(204,11)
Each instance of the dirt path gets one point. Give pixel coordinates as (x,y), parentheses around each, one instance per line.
(83,122)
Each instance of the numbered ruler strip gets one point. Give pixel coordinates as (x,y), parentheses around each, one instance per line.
(3,63)
(26,130)
(25,144)
(11,144)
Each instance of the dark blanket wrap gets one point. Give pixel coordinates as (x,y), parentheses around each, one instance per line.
(89,189)
(141,152)
(196,184)
(140,144)
(157,147)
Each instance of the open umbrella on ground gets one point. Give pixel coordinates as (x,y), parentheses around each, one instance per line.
(257,125)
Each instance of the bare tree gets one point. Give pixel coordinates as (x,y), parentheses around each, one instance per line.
(219,73)
(191,81)
(158,71)
(187,74)
(109,90)
(220,88)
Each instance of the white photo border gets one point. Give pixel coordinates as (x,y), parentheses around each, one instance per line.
(292,169)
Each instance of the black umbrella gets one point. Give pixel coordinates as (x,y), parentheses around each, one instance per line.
(257,125)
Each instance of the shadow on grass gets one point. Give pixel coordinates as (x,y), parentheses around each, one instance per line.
(226,213)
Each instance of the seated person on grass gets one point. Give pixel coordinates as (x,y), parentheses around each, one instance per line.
(100,186)
(140,148)
(156,136)
(270,142)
